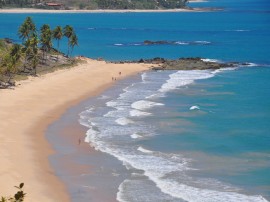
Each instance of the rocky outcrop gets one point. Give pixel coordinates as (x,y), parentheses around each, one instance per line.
(195,63)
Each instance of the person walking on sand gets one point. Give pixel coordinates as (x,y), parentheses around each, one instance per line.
(119,73)
(79,141)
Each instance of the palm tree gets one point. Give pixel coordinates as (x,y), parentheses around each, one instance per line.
(68,32)
(27,51)
(73,41)
(24,31)
(34,60)
(33,57)
(31,24)
(27,28)
(44,28)
(46,39)
(58,34)
(9,63)
(15,52)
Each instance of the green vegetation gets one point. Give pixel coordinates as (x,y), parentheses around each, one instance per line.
(36,54)
(96,4)
(18,197)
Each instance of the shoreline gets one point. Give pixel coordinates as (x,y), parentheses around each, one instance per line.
(32,107)
(31,10)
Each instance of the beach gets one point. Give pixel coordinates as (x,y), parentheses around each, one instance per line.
(33,10)
(27,110)
(166,135)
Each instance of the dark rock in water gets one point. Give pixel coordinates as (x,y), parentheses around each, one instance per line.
(192,64)
(195,63)
(148,42)
(156,60)
(8,40)
(141,61)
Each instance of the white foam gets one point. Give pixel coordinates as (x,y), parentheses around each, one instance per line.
(90,135)
(202,42)
(181,43)
(118,44)
(193,194)
(195,107)
(135,136)
(251,65)
(144,76)
(144,150)
(144,104)
(184,77)
(224,69)
(123,121)
(210,60)
(120,194)
(139,113)
(111,104)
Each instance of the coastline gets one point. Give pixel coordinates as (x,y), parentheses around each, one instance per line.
(32,107)
(31,10)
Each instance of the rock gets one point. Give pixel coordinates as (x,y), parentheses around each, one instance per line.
(8,40)
(195,63)
(141,61)
(148,42)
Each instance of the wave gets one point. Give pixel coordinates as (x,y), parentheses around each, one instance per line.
(251,64)
(195,107)
(167,171)
(118,44)
(201,42)
(181,43)
(210,60)
(144,104)
(135,136)
(123,121)
(139,113)
(182,78)
(145,150)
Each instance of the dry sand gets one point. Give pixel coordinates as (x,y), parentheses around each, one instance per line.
(25,113)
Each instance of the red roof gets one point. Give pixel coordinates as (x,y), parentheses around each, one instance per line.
(53,4)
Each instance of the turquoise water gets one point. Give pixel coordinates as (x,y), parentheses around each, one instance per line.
(186,135)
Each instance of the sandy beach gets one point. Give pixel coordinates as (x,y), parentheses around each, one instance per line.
(33,10)
(27,110)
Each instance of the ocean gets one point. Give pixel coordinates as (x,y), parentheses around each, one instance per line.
(196,136)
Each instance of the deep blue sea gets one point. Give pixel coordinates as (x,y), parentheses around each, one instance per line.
(196,136)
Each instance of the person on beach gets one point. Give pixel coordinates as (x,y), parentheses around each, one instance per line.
(79,141)
(119,73)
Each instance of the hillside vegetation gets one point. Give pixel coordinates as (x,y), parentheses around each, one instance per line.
(36,54)
(97,4)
